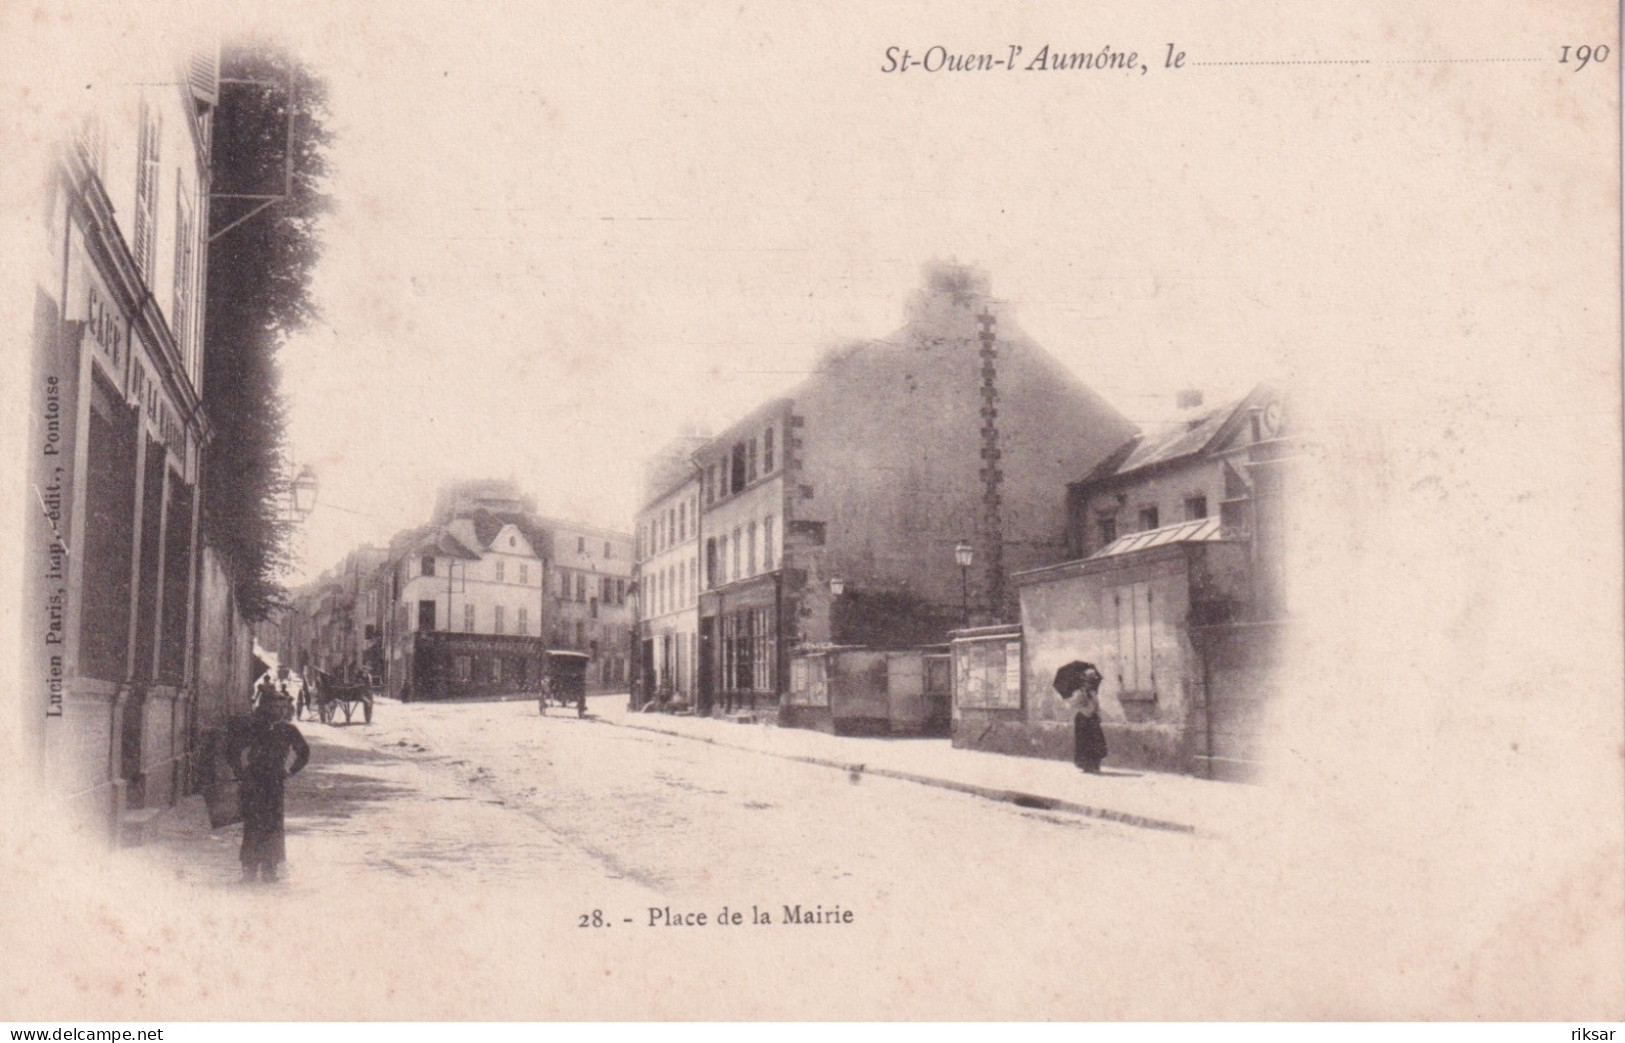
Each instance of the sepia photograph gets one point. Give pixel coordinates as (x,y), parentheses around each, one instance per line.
(701,512)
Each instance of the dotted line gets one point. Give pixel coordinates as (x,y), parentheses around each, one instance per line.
(1453,61)
(1302,61)
(1369,61)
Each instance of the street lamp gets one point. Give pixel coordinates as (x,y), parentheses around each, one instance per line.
(304,488)
(962,556)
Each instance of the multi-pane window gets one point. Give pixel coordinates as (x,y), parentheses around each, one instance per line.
(496,620)
(524,622)
(682,520)
(750,550)
(581,586)
(750,462)
(145,218)
(524,573)
(767,538)
(468,618)
(501,568)
(738,556)
(181,310)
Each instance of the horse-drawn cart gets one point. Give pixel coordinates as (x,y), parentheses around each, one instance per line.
(565,682)
(347,696)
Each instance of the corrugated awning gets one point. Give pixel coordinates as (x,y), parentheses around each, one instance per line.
(1198,531)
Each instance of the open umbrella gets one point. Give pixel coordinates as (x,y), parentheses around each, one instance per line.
(1072,676)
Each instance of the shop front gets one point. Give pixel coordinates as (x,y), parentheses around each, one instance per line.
(473,666)
(740,646)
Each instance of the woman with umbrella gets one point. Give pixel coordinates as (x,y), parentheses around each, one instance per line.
(1081,681)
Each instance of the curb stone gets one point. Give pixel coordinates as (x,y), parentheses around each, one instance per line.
(993,793)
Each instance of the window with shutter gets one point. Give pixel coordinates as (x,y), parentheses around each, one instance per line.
(145,228)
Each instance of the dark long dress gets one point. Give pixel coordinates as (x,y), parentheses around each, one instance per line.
(259,757)
(1089,742)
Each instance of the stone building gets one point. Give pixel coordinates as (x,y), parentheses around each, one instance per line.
(955,428)
(113,553)
(1162,594)
(666,539)
(470,603)
(590,589)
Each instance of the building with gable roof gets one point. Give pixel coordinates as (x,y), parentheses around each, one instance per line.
(470,603)
(1162,593)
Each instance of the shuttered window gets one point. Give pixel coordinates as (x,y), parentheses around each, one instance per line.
(1131,605)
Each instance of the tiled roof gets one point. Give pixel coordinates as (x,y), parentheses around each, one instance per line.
(1174,441)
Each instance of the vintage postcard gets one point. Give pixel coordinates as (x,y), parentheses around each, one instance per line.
(846,511)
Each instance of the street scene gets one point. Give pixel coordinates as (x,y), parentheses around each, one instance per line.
(518,536)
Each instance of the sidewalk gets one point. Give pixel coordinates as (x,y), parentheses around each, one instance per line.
(1151,800)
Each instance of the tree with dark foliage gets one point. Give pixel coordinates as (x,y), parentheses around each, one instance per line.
(268,196)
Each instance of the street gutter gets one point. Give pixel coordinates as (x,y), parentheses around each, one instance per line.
(993,793)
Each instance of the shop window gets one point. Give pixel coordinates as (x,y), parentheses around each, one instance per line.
(462,668)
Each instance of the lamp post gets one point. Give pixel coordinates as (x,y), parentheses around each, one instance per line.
(304,488)
(962,557)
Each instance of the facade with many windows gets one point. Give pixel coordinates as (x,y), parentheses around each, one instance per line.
(473,601)
(831,515)
(113,519)
(668,577)
(589,595)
